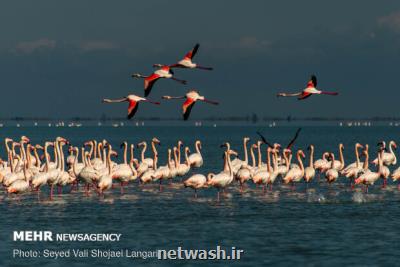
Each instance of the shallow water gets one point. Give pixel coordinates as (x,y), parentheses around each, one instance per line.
(314,225)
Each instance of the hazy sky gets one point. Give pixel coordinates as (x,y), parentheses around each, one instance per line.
(60,58)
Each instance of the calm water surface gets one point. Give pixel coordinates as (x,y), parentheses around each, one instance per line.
(318,225)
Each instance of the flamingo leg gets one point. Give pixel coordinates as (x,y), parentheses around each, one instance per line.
(122,188)
(195,193)
(51,192)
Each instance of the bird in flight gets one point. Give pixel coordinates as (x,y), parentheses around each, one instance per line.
(164,71)
(187,63)
(311,89)
(133,103)
(191,97)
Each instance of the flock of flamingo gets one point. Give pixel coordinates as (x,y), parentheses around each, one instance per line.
(166,72)
(29,167)
(93,164)
(192,96)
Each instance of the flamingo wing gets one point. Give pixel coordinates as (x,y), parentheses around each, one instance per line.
(304,95)
(187,107)
(192,52)
(149,82)
(289,146)
(133,107)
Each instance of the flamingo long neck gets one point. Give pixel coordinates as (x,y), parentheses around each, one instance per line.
(311,165)
(246,156)
(176,158)
(28,158)
(6,144)
(133,169)
(91,148)
(10,158)
(198,150)
(392,152)
(253,158)
(187,162)
(95,148)
(84,157)
(23,153)
(102,155)
(341,157)
(268,160)
(300,162)
(37,158)
(286,160)
(365,167)
(380,163)
(75,161)
(153,147)
(259,154)
(109,160)
(46,157)
(132,153)
(125,153)
(143,151)
(275,161)
(169,159)
(357,157)
(228,160)
(62,158)
(58,166)
(55,153)
(179,153)
(155,159)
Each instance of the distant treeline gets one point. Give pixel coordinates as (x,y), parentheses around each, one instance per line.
(253,118)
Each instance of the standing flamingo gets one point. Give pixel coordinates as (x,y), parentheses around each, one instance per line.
(133,103)
(191,97)
(309,171)
(187,63)
(311,89)
(164,72)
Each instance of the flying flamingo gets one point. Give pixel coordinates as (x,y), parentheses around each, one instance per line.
(164,72)
(187,63)
(311,89)
(133,103)
(191,98)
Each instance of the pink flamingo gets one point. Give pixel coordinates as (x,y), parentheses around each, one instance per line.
(311,89)
(191,98)
(133,103)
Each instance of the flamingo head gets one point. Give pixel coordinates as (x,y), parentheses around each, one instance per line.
(393,143)
(123,144)
(198,142)
(301,153)
(39,147)
(25,139)
(358,145)
(156,141)
(310,147)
